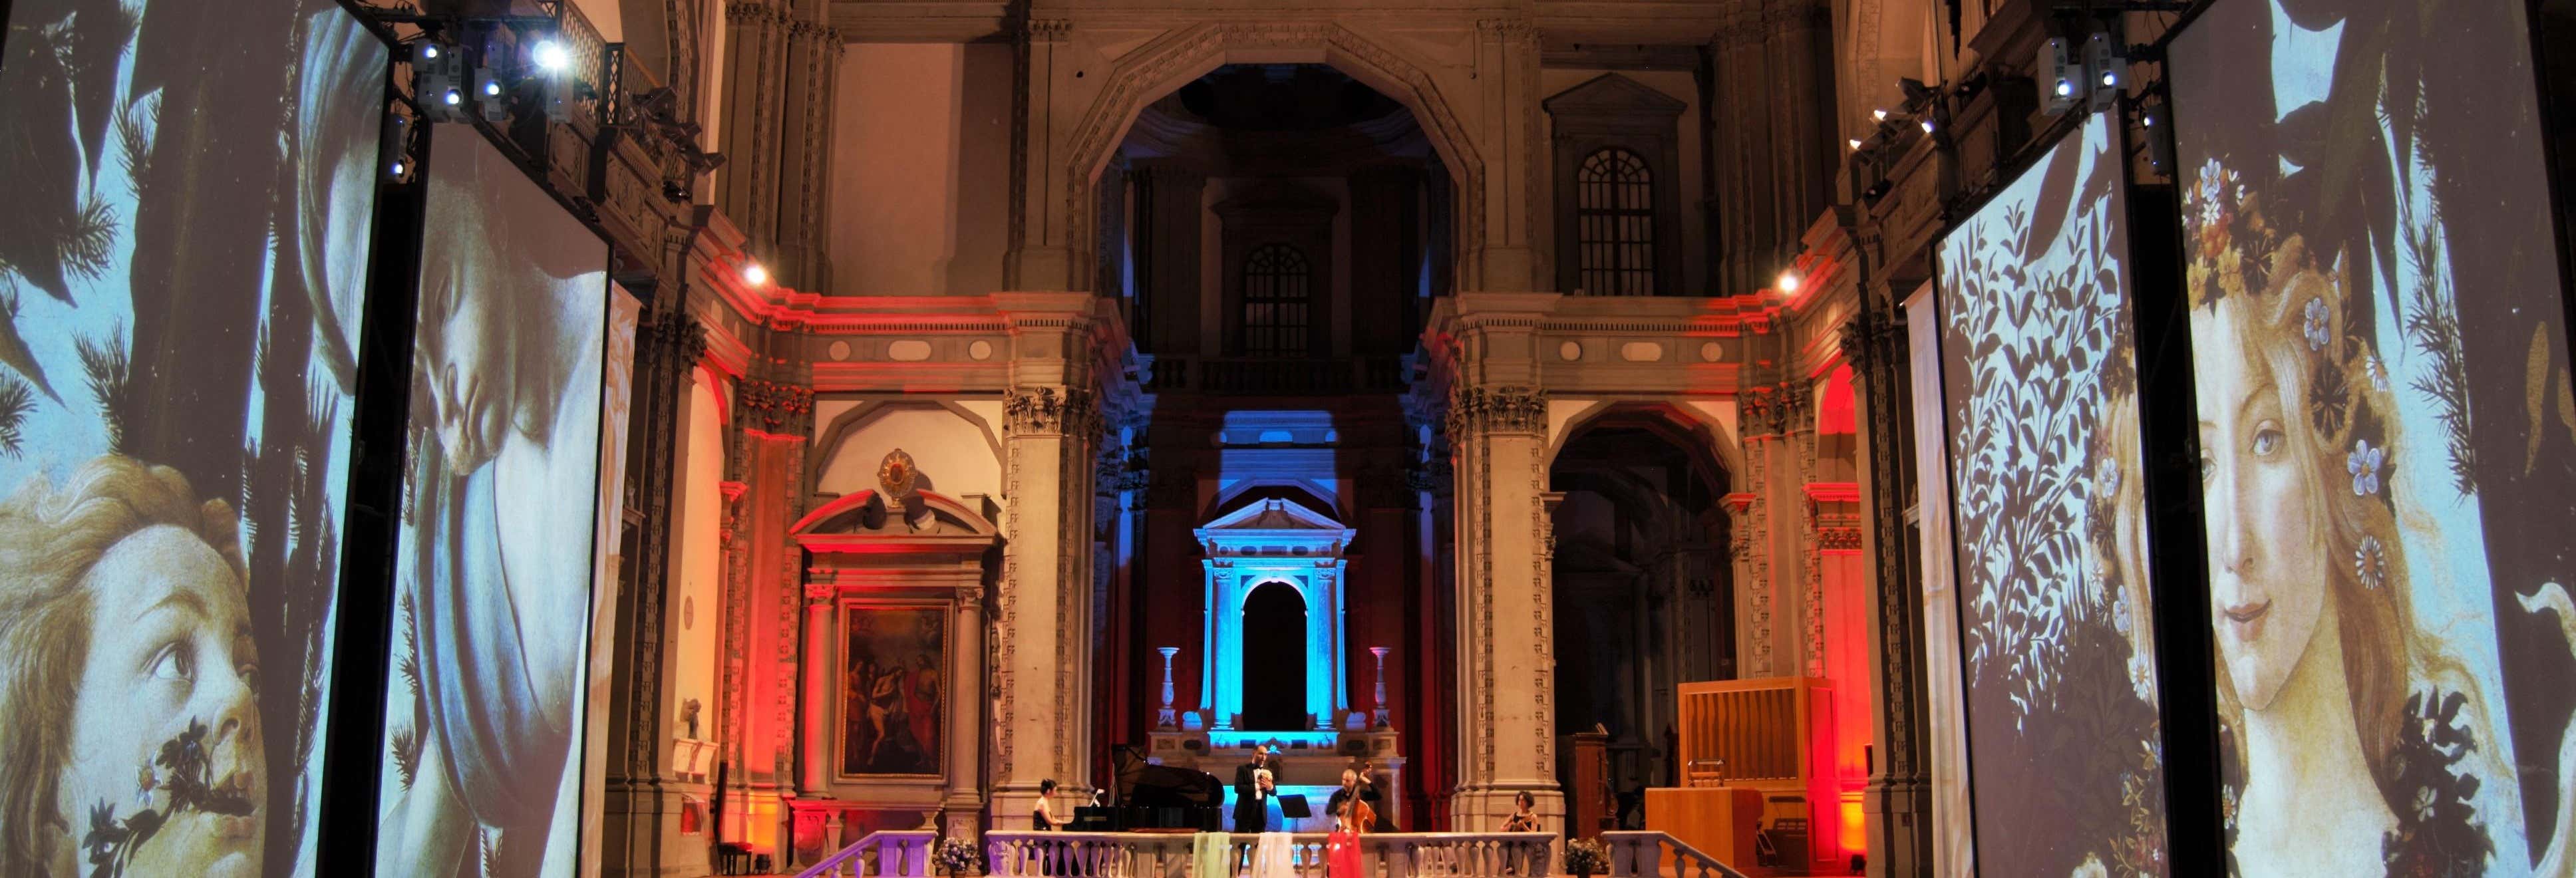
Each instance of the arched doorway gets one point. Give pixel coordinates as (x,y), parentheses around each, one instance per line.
(1641,594)
(1274,659)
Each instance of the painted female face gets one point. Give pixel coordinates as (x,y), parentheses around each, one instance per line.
(463,356)
(2267,529)
(169,647)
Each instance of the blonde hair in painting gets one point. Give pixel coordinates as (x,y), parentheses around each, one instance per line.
(49,539)
(2335,385)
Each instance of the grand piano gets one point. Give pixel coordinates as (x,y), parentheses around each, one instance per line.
(1156,797)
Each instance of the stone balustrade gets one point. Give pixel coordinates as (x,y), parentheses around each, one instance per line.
(903,853)
(1154,855)
(1165,855)
(1654,853)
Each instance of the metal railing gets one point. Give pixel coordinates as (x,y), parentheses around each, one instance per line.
(884,852)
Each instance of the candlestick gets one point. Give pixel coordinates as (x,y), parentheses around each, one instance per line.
(1380,717)
(1168,718)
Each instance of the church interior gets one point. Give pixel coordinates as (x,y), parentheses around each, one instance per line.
(1248,438)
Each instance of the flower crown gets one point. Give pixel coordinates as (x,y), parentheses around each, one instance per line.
(2236,249)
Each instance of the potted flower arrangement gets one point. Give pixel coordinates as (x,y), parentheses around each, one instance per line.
(957,856)
(1586,857)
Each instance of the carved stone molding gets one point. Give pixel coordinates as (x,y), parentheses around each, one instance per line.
(817,594)
(1477,410)
(775,407)
(675,343)
(1508,30)
(1048,410)
(1838,538)
(1853,338)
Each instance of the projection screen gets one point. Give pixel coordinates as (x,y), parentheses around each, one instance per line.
(2049,517)
(499,544)
(2379,337)
(183,248)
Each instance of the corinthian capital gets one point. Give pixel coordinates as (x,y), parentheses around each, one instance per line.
(1497,410)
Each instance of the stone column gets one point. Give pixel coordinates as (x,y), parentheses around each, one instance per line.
(1741,151)
(967,718)
(1223,693)
(1798,54)
(1507,244)
(638,814)
(1898,800)
(1043,254)
(1745,514)
(756,52)
(1044,609)
(1505,638)
(805,154)
(815,723)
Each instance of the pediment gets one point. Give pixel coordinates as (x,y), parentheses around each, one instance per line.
(866,516)
(1273,515)
(1611,94)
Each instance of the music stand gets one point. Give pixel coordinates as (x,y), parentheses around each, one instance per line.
(1294,808)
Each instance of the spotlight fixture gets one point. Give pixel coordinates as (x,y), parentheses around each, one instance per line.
(2061,76)
(2103,61)
(1855,144)
(438,74)
(551,56)
(1927,124)
(397,146)
(488,97)
(1788,282)
(1879,114)
(755,275)
(2159,137)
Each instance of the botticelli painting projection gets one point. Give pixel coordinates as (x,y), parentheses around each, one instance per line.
(495,564)
(2387,434)
(2064,756)
(892,698)
(182,254)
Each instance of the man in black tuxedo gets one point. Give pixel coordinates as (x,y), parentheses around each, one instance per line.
(1251,796)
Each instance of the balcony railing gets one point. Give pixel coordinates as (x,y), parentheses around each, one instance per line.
(1157,855)
(1265,376)
(1654,853)
(887,852)
(1385,855)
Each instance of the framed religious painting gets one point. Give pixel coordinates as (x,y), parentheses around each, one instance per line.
(894,689)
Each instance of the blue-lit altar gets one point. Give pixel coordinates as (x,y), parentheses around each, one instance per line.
(1278,670)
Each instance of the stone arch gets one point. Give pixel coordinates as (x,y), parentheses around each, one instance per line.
(1172,60)
(1683,425)
(828,442)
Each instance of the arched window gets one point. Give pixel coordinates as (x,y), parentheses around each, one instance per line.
(1614,218)
(1276,302)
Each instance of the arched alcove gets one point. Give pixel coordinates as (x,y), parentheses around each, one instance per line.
(1274,659)
(1641,589)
